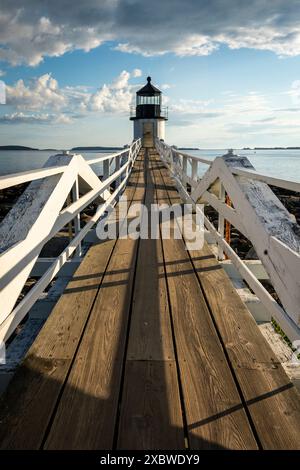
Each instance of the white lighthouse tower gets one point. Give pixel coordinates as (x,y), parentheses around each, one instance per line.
(148,115)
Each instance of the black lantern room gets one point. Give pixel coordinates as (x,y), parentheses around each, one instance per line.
(148,103)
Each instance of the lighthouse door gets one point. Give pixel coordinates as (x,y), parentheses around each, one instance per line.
(148,134)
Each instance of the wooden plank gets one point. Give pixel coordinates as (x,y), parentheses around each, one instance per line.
(215,415)
(87,411)
(150,330)
(265,386)
(273,402)
(150,406)
(149,420)
(29,401)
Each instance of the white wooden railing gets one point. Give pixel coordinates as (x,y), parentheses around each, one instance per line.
(55,197)
(257,213)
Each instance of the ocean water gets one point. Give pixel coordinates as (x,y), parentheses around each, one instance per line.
(279,163)
(14,161)
(283,164)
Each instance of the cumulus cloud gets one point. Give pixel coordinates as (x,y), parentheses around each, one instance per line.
(48,103)
(31,31)
(42,92)
(116,97)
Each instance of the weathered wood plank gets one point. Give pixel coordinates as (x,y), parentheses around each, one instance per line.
(29,401)
(87,411)
(150,331)
(214,411)
(273,402)
(149,419)
(40,377)
(150,411)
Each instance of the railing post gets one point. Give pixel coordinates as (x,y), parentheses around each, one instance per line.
(70,224)
(129,159)
(194,170)
(221,222)
(76,221)
(184,170)
(172,160)
(105,169)
(117,167)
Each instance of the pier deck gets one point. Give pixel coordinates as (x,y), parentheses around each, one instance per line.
(150,347)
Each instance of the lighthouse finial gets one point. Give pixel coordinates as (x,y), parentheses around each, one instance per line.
(148,79)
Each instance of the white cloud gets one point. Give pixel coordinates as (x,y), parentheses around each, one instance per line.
(165,86)
(2,73)
(47,102)
(136,73)
(135,49)
(32,30)
(116,97)
(190,45)
(251,119)
(121,81)
(195,45)
(284,41)
(42,92)
(192,107)
(27,37)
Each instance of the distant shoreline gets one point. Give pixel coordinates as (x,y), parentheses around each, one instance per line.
(22,147)
(97,148)
(112,148)
(188,148)
(16,147)
(271,148)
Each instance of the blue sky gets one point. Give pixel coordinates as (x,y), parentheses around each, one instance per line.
(231,80)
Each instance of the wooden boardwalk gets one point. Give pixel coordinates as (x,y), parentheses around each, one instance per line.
(150,347)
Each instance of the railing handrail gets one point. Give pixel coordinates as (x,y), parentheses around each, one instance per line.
(91,161)
(18,258)
(13,179)
(258,214)
(272,180)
